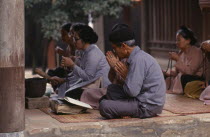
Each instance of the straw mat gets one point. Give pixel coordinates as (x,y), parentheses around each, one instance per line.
(92,116)
(176,105)
(180,104)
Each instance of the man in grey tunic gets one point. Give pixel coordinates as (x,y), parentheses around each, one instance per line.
(143,92)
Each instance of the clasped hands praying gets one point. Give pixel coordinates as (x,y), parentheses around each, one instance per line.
(114,62)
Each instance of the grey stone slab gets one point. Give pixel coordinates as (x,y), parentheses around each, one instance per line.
(165,126)
(15,134)
(33,103)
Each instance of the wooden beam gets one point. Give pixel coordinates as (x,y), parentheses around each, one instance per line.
(204,4)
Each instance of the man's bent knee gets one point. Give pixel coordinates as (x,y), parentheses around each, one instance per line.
(104,109)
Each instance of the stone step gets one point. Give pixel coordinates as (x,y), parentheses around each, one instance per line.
(38,124)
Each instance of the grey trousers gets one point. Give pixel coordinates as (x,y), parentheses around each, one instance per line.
(116,104)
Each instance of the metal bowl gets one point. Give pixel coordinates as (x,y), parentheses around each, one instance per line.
(35,87)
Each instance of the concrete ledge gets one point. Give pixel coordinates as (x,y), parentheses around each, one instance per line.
(165,126)
(14,134)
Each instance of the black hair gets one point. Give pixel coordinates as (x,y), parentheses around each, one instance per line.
(122,33)
(76,27)
(66,27)
(119,26)
(85,32)
(187,33)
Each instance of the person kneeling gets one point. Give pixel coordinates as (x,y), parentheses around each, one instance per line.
(143,93)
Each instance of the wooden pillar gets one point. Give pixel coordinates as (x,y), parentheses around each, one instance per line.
(144,31)
(12,66)
(99,29)
(51,55)
(205,7)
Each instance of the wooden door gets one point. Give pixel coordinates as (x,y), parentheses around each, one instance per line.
(164,17)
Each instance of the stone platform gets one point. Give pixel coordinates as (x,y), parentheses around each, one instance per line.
(40,102)
(39,124)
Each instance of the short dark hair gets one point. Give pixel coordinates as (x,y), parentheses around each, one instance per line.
(119,26)
(85,32)
(130,43)
(187,33)
(66,27)
(121,33)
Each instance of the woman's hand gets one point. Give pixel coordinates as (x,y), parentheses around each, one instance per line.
(206,46)
(67,62)
(73,58)
(170,72)
(60,51)
(56,80)
(121,69)
(173,56)
(111,59)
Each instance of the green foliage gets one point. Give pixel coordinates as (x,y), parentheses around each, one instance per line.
(103,7)
(53,13)
(51,23)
